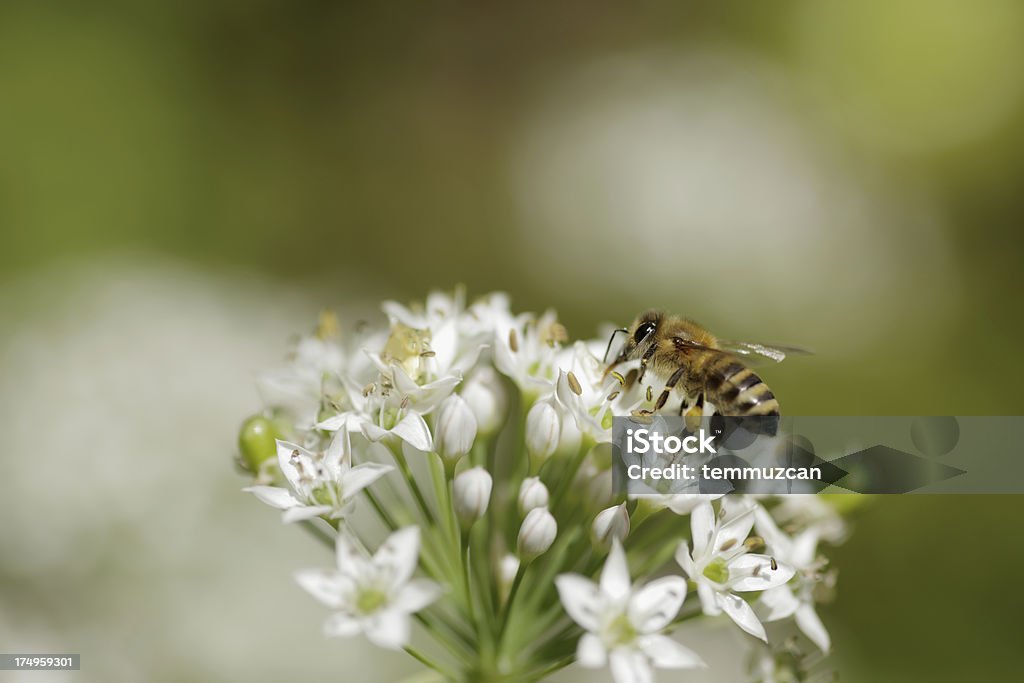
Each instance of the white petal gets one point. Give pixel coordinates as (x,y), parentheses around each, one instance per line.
(630,666)
(702,527)
(340,625)
(590,652)
(398,555)
(736,530)
(397,312)
(809,622)
(666,653)
(581,598)
(615,582)
(413,430)
(654,606)
(763,576)
(377,361)
(468,359)
(417,594)
(301,513)
(805,547)
(326,586)
(776,541)
(425,398)
(277,497)
(339,451)
(684,503)
(741,613)
(373,432)
(387,628)
(333,423)
(504,357)
(777,603)
(349,555)
(359,477)
(433,393)
(444,343)
(708,598)
(684,560)
(285,451)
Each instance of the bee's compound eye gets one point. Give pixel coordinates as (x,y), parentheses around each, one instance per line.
(642,331)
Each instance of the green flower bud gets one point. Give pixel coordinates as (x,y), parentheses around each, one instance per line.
(257,442)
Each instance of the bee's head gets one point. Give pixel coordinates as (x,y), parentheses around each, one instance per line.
(639,335)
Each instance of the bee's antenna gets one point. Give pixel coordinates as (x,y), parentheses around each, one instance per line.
(604,359)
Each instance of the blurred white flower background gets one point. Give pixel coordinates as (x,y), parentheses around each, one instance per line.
(126,536)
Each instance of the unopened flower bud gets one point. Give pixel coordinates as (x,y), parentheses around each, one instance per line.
(532,494)
(600,489)
(257,442)
(507,570)
(471,492)
(610,523)
(456,429)
(543,430)
(536,534)
(485,395)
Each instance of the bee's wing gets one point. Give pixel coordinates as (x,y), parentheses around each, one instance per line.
(774,352)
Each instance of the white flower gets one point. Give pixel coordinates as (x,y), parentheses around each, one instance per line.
(472,493)
(437,341)
(372,417)
(321,483)
(456,429)
(525,350)
(373,595)
(532,494)
(412,429)
(439,308)
(721,565)
(300,385)
(488,315)
(808,509)
(610,523)
(543,430)
(406,392)
(582,391)
(788,600)
(624,623)
(536,534)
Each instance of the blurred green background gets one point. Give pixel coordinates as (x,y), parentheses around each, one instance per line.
(183,184)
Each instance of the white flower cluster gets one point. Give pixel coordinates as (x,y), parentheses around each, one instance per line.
(480,440)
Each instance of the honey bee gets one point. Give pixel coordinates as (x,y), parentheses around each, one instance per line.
(699,366)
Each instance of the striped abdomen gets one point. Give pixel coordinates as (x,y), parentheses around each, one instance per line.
(735,389)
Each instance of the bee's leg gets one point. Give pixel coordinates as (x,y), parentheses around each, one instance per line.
(695,412)
(669,386)
(646,359)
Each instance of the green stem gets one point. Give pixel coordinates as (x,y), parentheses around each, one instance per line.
(458,643)
(506,612)
(426,661)
(568,473)
(382,512)
(414,489)
(551,668)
